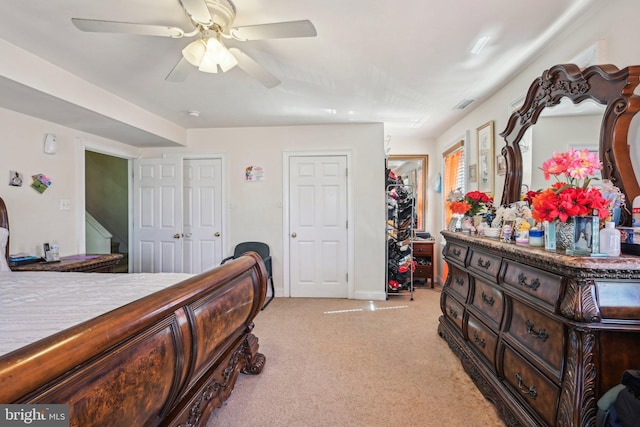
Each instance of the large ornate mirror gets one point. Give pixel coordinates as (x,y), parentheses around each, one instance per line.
(413,170)
(604,84)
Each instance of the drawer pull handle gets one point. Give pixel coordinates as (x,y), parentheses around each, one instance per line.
(484,264)
(531,391)
(453,313)
(488,300)
(456,252)
(541,334)
(522,280)
(476,337)
(459,281)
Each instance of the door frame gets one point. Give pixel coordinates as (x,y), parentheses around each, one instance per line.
(84,145)
(286,204)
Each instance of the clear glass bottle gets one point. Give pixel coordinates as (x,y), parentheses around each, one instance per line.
(610,240)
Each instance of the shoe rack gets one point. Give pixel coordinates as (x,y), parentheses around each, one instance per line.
(400,223)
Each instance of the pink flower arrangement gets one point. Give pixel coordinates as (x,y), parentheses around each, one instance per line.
(574,165)
(572,196)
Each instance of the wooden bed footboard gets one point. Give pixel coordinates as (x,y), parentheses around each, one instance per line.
(169,359)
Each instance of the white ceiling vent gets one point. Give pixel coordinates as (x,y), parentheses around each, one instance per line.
(463,104)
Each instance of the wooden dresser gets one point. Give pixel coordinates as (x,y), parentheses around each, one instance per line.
(542,335)
(423,256)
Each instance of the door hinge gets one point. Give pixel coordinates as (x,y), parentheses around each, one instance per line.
(346,171)
(347,224)
(347,277)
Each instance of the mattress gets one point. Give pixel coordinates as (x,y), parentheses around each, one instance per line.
(34,305)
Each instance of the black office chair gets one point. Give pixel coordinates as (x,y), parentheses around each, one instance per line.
(261,249)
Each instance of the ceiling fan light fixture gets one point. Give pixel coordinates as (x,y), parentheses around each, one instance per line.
(195,52)
(221,54)
(216,54)
(208,64)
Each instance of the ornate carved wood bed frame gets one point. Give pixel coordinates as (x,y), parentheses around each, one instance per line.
(167,359)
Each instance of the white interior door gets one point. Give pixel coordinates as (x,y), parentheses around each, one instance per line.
(202,214)
(157,225)
(318,226)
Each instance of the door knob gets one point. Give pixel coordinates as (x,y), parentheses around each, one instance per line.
(294,235)
(217,234)
(187,235)
(176,236)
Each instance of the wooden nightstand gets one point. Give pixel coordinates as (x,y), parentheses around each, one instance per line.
(103,263)
(423,256)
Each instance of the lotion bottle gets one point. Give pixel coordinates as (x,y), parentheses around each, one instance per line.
(610,240)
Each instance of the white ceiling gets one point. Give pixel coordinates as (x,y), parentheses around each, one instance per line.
(406,64)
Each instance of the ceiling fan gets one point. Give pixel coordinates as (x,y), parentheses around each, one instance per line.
(212,20)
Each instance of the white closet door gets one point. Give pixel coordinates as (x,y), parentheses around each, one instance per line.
(318,227)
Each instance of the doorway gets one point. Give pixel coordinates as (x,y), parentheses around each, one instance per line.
(107,206)
(317,226)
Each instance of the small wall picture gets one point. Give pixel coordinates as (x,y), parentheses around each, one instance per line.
(40,183)
(501,165)
(254,173)
(15,179)
(473,173)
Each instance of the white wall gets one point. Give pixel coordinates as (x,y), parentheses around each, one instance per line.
(255,210)
(613,27)
(36,218)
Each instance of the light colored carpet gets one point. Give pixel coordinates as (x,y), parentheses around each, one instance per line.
(355,363)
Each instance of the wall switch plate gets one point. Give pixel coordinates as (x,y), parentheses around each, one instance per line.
(65,204)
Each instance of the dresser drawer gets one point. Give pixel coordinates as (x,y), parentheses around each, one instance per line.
(422,249)
(459,283)
(456,253)
(453,310)
(531,385)
(485,264)
(537,283)
(489,301)
(483,339)
(539,334)
(423,271)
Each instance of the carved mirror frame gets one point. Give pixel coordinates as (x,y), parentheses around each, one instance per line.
(604,84)
(417,176)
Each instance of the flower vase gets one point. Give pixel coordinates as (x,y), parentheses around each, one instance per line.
(564,235)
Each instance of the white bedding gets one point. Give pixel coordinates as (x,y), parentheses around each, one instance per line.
(34,305)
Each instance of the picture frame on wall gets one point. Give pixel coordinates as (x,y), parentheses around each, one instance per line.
(473,173)
(501,165)
(485,157)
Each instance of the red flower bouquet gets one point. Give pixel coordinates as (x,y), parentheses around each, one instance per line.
(477,201)
(459,207)
(571,196)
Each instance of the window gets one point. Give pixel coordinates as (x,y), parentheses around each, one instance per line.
(453,174)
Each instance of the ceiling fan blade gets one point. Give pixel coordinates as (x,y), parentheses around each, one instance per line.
(278,30)
(179,72)
(254,69)
(92,25)
(198,11)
